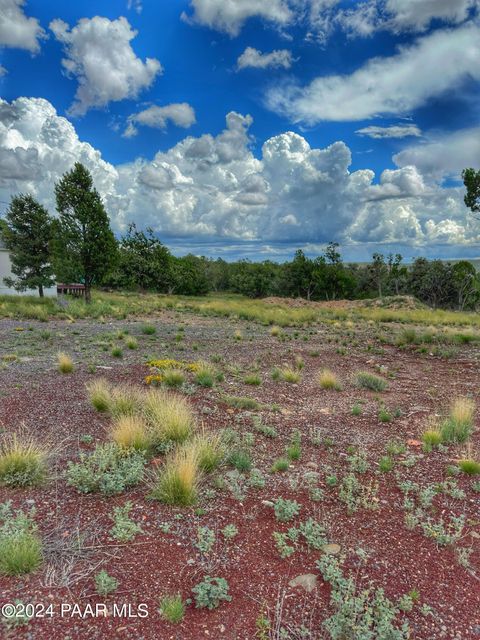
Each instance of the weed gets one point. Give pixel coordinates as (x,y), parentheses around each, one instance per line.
(124,529)
(211,592)
(285,510)
(104,583)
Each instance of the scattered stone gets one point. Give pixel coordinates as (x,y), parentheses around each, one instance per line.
(332,549)
(312,465)
(307,581)
(267,503)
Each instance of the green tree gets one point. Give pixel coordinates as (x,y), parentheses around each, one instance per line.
(143,261)
(379,272)
(466,283)
(85,247)
(27,232)
(471,180)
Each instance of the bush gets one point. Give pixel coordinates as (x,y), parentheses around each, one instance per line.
(370,381)
(23,462)
(108,470)
(172,608)
(130,432)
(20,545)
(328,380)
(285,510)
(177,481)
(104,583)
(211,592)
(64,362)
(458,427)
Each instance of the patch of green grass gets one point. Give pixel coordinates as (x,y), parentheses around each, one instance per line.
(148,330)
(172,608)
(458,426)
(240,402)
(280,465)
(253,379)
(370,381)
(470,467)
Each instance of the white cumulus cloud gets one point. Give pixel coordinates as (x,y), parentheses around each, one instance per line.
(386,85)
(393,131)
(275,59)
(180,114)
(99,55)
(213,189)
(18,30)
(229,16)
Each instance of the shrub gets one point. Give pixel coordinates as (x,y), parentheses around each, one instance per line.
(177,481)
(100,394)
(458,427)
(470,467)
(328,380)
(20,545)
(169,417)
(240,460)
(172,608)
(359,614)
(285,510)
(104,583)
(370,381)
(64,362)
(211,592)
(124,529)
(108,470)
(23,462)
(130,432)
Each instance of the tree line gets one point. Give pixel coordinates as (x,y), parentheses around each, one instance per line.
(79,246)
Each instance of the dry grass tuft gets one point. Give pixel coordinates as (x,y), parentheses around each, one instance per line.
(169,417)
(177,481)
(130,432)
(64,362)
(458,426)
(328,380)
(23,461)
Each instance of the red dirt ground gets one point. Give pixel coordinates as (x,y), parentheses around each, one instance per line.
(55,408)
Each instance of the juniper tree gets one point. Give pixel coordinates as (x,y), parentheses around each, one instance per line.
(27,232)
(85,246)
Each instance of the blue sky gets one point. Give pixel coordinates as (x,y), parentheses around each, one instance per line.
(351,121)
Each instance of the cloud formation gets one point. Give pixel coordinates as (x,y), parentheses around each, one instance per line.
(213,189)
(99,55)
(229,16)
(393,131)
(16,29)
(386,85)
(279,58)
(180,114)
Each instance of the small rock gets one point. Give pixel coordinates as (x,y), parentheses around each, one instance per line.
(307,581)
(267,503)
(331,549)
(312,465)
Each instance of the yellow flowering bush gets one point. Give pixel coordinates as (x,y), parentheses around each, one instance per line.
(167,364)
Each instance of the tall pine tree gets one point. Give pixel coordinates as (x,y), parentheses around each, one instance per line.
(85,247)
(27,232)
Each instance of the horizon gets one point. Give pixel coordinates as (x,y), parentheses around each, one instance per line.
(247,130)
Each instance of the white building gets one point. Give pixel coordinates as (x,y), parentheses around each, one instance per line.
(6,272)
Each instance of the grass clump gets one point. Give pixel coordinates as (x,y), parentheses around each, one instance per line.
(64,362)
(130,432)
(280,465)
(23,462)
(177,481)
(289,374)
(240,402)
(431,438)
(240,460)
(172,608)
(458,426)
(100,394)
(117,352)
(148,330)
(169,418)
(328,380)
(370,381)
(469,466)
(253,379)
(205,375)
(109,469)
(104,583)
(20,544)
(173,378)
(132,343)
(209,450)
